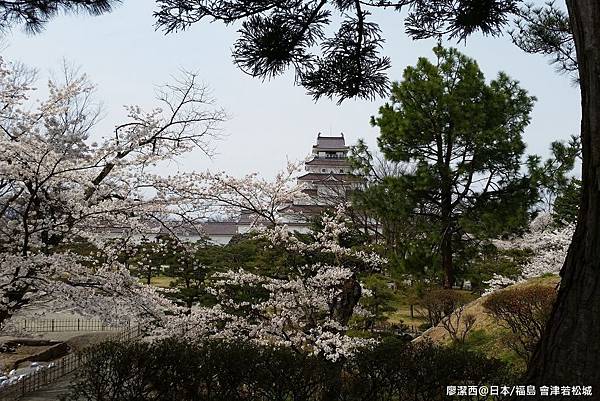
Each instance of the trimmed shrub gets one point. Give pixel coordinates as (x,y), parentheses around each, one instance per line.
(114,371)
(417,371)
(174,370)
(524,310)
(446,307)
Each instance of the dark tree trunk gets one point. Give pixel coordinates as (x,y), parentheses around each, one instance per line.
(569,351)
(446,242)
(447,262)
(343,307)
(446,210)
(342,311)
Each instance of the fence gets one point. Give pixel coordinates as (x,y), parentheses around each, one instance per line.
(59,369)
(57,325)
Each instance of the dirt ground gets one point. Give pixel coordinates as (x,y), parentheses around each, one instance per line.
(8,360)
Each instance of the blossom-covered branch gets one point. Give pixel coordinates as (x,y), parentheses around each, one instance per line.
(549,245)
(61,195)
(307,308)
(219,193)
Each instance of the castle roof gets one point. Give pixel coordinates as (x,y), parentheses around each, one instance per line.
(330,142)
(328,177)
(322,161)
(309,210)
(219,228)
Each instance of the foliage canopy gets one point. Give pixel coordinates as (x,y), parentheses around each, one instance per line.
(462,139)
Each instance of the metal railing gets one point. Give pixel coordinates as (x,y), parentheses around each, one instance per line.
(62,325)
(59,368)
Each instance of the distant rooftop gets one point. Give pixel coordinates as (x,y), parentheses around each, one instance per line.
(329,177)
(177,227)
(330,142)
(219,228)
(332,161)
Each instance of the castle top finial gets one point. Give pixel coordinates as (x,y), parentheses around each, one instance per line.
(342,134)
(318,136)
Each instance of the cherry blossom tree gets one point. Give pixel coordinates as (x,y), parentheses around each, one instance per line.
(549,245)
(217,193)
(57,189)
(307,308)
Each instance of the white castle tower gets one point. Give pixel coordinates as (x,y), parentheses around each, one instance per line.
(328,180)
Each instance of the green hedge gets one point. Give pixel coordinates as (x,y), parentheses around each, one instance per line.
(173,370)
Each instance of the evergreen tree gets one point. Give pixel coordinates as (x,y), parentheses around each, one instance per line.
(559,191)
(34,14)
(566,204)
(464,139)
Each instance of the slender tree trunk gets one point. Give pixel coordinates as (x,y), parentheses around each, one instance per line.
(446,242)
(445,145)
(569,351)
(342,311)
(447,263)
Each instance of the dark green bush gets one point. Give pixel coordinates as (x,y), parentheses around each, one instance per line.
(174,370)
(417,371)
(114,371)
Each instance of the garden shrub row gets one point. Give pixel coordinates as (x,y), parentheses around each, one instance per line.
(175,370)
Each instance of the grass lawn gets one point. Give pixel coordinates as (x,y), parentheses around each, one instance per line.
(402,313)
(160,281)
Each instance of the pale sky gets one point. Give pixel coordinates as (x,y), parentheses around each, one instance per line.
(269,121)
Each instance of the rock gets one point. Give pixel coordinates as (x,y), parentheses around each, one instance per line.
(5,348)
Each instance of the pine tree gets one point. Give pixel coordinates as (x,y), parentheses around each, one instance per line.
(464,139)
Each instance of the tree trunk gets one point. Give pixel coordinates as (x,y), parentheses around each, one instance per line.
(446,214)
(447,263)
(569,351)
(446,242)
(342,310)
(343,307)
